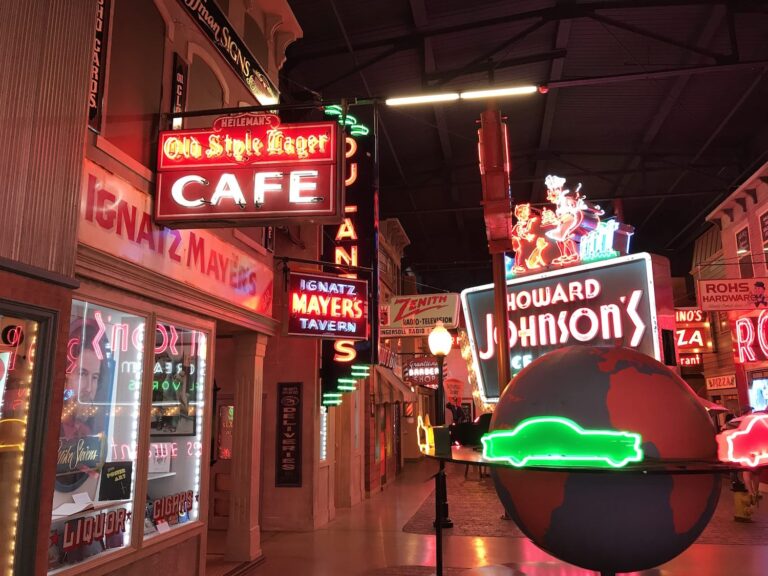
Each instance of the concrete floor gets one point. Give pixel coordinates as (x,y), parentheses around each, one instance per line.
(370,537)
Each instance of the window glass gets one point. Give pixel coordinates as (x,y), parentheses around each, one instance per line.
(93,494)
(17,363)
(744,253)
(205,92)
(176,429)
(135,81)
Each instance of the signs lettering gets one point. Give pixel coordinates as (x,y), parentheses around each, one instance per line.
(693,333)
(751,338)
(732,294)
(80,454)
(599,304)
(115,481)
(98,65)
(417,315)
(214,24)
(288,453)
(115,218)
(422,371)
(85,530)
(691,360)
(179,84)
(720,382)
(249,168)
(327,306)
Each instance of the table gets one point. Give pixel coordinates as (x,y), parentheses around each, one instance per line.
(649,466)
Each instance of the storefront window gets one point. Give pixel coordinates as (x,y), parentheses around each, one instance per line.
(176,434)
(93,495)
(17,363)
(758,390)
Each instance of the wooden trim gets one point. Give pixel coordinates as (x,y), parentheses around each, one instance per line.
(36,273)
(102,267)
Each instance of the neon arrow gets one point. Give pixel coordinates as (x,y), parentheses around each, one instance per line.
(560,442)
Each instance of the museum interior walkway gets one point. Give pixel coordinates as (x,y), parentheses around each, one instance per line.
(369,540)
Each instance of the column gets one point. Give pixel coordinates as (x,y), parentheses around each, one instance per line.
(243,534)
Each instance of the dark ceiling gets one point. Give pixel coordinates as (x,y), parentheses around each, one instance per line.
(660,104)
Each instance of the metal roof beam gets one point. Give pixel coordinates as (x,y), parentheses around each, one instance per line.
(440,78)
(458,22)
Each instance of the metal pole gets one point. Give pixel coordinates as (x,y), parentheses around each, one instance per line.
(500,320)
(438,522)
(442,518)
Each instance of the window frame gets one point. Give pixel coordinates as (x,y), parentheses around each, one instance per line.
(139,547)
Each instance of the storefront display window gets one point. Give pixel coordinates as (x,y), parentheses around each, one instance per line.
(176,433)
(758,390)
(94,487)
(17,366)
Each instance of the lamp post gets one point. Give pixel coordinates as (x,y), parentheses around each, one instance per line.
(440,343)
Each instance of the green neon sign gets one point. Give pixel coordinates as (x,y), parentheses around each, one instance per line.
(560,442)
(349,121)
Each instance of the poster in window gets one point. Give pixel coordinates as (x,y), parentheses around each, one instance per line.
(742,241)
(764,227)
(288,453)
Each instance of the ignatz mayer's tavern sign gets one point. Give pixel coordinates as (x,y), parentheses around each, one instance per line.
(249,169)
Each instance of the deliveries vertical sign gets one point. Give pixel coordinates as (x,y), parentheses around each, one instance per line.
(288,453)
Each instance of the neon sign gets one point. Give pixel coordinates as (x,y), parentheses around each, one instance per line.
(248,167)
(600,304)
(424,433)
(327,306)
(570,234)
(554,441)
(748,444)
(751,338)
(691,360)
(692,331)
(349,121)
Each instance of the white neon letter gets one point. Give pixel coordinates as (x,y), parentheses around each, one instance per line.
(177,191)
(745,336)
(228,187)
(261,186)
(297,186)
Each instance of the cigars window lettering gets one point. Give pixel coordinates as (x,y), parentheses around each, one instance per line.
(327,306)
(249,167)
(176,429)
(93,496)
(599,304)
(18,354)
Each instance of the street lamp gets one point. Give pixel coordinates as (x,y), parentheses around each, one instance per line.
(440,343)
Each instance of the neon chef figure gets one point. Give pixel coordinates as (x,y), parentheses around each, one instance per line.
(521,232)
(567,218)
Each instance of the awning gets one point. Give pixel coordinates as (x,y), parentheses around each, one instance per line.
(385,375)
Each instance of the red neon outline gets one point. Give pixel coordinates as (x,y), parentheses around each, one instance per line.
(726,440)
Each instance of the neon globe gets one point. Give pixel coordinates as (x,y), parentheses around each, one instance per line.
(440,340)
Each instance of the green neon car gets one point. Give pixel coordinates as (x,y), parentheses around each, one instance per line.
(561,442)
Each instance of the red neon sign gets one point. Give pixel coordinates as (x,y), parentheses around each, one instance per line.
(748,444)
(249,167)
(327,306)
(751,338)
(691,360)
(694,340)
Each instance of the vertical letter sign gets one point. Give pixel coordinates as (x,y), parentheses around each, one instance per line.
(288,453)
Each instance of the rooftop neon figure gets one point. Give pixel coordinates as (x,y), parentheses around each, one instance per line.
(560,442)
(747,444)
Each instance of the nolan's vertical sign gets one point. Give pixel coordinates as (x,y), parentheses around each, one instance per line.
(354,242)
(288,453)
